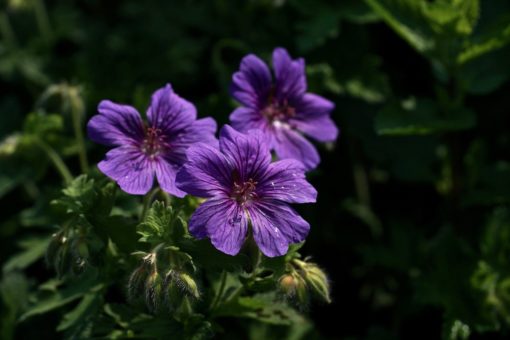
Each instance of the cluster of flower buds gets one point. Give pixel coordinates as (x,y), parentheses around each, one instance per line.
(303,278)
(69,250)
(163,280)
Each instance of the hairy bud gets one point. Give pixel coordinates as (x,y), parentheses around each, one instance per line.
(293,286)
(317,282)
(184,282)
(153,289)
(9,145)
(136,283)
(187,284)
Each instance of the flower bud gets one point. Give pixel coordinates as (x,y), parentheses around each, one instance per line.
(294,287)
(53,248)
(317,281)
(153,288)
(186,283)
(8,145)
(136,283)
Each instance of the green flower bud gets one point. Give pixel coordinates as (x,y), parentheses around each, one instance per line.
(63,259)
(136,283)
(9,145)
(173,294)
(153,289)
(317,281)
(53,248)
(186,284)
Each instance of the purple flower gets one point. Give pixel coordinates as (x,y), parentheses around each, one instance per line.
(144,150)
(283,111)
(242,187)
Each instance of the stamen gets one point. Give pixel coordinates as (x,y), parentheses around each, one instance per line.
(244,192)
(278,111)
(153,142)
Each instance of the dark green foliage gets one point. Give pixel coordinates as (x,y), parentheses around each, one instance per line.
(412,223)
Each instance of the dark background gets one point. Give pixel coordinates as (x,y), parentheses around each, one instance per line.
(401,218)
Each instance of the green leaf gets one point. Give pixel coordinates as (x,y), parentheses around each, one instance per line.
(158,220)
(162,223)
(262,307)
(203,252)
(78,196)
(42,125)
(420,117)
(14,294)
(487,72)
(33,250)
(71,292)
(495,38)
(322,24)
(87,307)
(367,82)
(406,19)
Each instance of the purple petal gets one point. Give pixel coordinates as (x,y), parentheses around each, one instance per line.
(244,119)
(115,124)
(169,112)
(207,172)
(130,168)
(285,181)
(249,152)
(223,221)
(275,226)
(290,75)
(166,173)
(252,83)
(201,130)
(311,104)
(290,144)
(320,128)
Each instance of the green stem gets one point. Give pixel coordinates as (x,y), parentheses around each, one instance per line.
(221,290)
(77,112)
(7,31)
(166,197)
(147,200)
(257,260)
(57,161)
(43,20)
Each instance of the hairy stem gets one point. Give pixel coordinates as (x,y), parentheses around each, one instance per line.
(43,21)
(57,161)
(147,200)
(7,31)
(221,290)
(77,112)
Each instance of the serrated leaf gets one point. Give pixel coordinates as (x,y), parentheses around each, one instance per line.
(41,125)
(162,223)
(262,307)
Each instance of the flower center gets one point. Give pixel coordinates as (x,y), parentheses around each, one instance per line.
(278,112)
(153,143)
(244,192)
